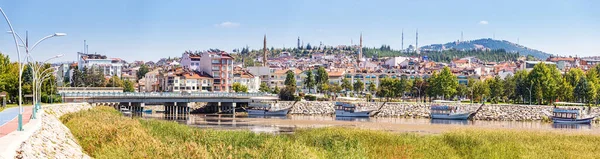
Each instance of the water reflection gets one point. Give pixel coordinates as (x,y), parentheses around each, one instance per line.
(444,121)
(267,117)
(571,126)
(362,119)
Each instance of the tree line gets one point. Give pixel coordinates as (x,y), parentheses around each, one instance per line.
(9,81)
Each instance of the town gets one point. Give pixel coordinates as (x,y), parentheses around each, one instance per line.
(327,72)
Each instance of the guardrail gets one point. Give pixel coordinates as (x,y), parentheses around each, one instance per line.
(163,94)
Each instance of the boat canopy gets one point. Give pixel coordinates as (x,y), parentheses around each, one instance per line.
(441,107)
(445,101)
(570,111)
(568,103)
(344,104)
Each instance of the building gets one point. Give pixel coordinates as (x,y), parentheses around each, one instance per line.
(190,81)
(109,66)
(528,65)
(219,65)
(151,81)
(397,62)
(246,78)
(190,60)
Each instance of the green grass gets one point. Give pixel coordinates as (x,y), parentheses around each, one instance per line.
(8,106)
(104,133)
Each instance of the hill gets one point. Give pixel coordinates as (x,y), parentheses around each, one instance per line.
(491,44)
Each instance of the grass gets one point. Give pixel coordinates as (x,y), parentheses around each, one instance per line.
(104,133)
(8,106)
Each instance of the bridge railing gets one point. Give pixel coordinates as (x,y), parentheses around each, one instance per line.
(164,94)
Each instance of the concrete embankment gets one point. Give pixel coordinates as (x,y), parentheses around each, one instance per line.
(498,112)
(53,139)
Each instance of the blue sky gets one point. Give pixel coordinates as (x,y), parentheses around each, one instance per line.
(149,29)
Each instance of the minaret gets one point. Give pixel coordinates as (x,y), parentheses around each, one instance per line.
(360,49)
(402,46)
(417,42)
(265,51)
(461,37)
(298,42)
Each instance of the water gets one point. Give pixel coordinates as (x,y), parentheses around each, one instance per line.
(288,124)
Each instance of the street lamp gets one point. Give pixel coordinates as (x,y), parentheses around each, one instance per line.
(21,63)
(529,95)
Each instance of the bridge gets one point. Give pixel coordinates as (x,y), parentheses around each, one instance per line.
(173,102)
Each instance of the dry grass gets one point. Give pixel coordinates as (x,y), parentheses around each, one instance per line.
(103,133)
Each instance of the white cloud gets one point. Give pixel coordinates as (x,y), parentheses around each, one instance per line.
(483,22)
(228,25)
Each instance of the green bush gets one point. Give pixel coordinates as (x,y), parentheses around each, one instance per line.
(310,97)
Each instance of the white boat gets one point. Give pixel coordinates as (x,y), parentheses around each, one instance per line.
(343,109)
(266,109)
(448,112)
(124,110)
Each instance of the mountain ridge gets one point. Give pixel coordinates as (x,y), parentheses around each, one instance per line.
(487,43)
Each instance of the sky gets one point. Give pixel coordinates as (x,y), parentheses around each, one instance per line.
(153,29)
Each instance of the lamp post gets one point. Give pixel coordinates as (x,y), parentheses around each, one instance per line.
(21,63)
(529,95)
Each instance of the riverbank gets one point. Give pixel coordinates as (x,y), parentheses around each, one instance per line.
(494,112)
(104,133)
(53,139)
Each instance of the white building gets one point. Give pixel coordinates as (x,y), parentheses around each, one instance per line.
(109,66)
(397,61)
(151,81)
(247,79)
(190,61)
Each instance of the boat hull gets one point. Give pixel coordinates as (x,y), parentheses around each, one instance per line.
(572,121)
(341,113)
(281,112)
(461,116)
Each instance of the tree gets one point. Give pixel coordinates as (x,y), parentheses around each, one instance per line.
(309,82)
(346,86)
(79,78)
(264,88)
(387,88)
(287,93)
(420,87)
(308,47)
(335,88)
(566,91)
(496,88)
(142,71)
(128,86)
(522,85)
(238,87)
(276,90)
(372,87)
(545,82)
(322,76)
(324,88)
(447,83)
(114,81)
(359,86)
(290,79)
(480,90)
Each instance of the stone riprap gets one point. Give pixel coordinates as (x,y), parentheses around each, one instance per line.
(53,139)
(499,112)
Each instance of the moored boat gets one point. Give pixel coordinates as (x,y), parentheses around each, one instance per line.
(570,116)
(448,112)
(343,109)
(266,109)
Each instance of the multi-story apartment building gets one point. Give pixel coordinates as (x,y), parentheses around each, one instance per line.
(219,65)
(247,79)
(109,66)
(151,80)
(190,60)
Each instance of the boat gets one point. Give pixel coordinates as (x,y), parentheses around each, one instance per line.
(449,112)
(124,110)
(266,109)
(343,109)
(570,116)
